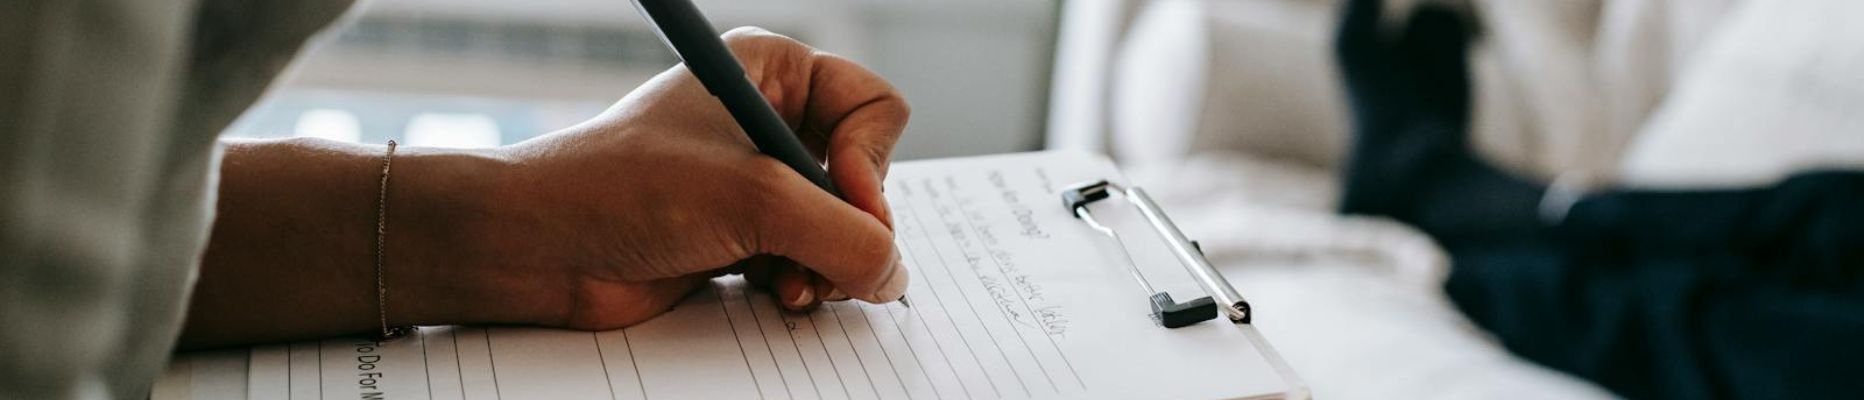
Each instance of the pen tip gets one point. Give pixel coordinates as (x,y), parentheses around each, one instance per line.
(904,303)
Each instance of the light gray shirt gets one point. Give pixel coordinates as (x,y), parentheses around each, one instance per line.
(109,110)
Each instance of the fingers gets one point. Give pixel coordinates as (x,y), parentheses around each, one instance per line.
(861,114)
(778,65)
(793,287)
(867,117)
(759,270)
(849,248)
(790,285)
(847,241)
(800,289)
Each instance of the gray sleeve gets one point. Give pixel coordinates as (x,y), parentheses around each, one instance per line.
(108,114)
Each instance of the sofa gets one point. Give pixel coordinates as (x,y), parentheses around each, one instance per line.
(1230,112)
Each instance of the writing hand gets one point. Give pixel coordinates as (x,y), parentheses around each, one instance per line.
(598,226)
(639,206)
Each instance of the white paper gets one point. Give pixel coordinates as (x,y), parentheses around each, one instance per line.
(1011,298)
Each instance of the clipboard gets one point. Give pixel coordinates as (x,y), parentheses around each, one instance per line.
(969,323)
(1221,298)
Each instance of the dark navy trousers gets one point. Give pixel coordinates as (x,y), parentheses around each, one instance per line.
(1685,294)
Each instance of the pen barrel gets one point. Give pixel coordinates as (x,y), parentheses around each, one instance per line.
(773,137)
(697,43)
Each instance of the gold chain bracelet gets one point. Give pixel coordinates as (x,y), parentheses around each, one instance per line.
(381,254)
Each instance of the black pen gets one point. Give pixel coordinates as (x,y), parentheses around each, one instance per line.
(692,38)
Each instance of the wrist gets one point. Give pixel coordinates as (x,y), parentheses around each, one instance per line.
(441,267)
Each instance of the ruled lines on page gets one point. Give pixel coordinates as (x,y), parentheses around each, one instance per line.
(845,350)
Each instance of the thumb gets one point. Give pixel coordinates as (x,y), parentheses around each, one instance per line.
(849,247)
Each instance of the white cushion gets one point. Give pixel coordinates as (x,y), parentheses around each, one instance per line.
(1777,90)
(1245,76)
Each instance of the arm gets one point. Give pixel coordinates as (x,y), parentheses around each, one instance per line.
(292,249)
(598,226)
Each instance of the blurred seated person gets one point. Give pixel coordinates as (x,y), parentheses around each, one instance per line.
(1674,293)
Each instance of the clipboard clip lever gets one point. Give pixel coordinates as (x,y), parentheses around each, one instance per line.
(1165,311)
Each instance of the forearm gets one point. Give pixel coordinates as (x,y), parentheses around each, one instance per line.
(292,253)
(599,226)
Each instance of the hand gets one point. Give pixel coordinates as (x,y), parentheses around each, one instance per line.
(627,213)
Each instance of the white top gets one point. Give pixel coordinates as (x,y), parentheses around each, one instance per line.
(109,111)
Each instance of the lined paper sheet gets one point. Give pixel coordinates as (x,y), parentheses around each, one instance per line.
(1011,298)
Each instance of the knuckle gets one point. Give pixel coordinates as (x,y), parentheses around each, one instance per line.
(878,155)
(756,36)
(901,106)
(746,33)
(763,51)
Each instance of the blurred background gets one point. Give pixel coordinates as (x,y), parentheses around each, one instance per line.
(974,70)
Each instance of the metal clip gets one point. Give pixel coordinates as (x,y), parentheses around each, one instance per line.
(1168,313)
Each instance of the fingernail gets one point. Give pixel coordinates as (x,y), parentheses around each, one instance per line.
(803,297)
(895,286)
